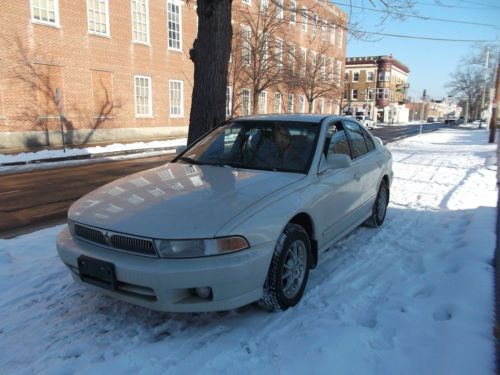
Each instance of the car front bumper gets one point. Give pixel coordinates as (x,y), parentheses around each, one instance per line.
(162,284)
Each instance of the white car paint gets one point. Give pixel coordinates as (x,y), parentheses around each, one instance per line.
(182,201)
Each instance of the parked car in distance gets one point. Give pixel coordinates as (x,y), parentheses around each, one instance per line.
(366,121)
(450,120)
(431,119)
(242,215)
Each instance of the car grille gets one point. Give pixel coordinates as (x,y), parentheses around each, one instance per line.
(121,242)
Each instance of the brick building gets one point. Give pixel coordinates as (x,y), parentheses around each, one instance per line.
(376,86)
(115,70)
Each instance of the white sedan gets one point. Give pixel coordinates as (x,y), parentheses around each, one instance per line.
(240,216)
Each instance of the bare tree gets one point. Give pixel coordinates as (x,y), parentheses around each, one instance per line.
(262,51)
(317,77)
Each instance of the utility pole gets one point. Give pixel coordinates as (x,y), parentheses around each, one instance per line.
(494,115)
(484,81)
(424,95)
(466,114)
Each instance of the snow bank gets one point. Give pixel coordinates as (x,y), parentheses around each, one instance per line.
(51,154)
(413,297)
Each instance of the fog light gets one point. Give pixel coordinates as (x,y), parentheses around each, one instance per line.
(204,292)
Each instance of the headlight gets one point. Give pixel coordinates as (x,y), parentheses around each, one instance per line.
(200,248)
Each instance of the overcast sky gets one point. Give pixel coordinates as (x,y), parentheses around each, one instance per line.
(430,62)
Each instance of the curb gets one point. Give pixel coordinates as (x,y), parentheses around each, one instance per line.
(88,156)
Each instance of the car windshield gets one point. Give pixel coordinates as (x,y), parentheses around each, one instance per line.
(265,145)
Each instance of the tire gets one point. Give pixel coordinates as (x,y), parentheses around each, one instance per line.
(292,255)
(379,209)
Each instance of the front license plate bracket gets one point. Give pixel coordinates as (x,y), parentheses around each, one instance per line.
(97,272)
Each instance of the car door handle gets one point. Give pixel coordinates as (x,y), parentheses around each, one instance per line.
(357,177)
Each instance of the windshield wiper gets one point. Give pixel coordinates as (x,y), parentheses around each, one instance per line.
(191,160)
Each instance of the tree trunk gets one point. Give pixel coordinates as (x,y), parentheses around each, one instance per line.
(255,102)
(210,54)
(311,108)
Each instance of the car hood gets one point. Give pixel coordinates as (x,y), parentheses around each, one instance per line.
(177,200)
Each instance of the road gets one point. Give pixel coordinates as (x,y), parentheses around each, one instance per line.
(40,198)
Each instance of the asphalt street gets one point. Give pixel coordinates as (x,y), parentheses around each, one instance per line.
(40,198)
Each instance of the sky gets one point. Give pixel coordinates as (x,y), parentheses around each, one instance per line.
(430,62)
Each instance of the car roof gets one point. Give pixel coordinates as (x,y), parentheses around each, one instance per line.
(299,117)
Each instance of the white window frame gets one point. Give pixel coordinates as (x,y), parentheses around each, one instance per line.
(324,29)
(369,76)
(179,4)
(352,94)
(264,5)
(355,76)
(147,42)
(292,59)
(291,103)
(229,101)
(263,102)
(330,106)
(302,103)
(303,62)
(304,19)
(106,14)
(293,12)
(315,24)
(246,110)
(369,94)
(332,34)
(321,105)
(341,36)
(247,2)
(323,67)
(278,52)
(246,46)
(278,101)
(332,69)
(47,23)
(281,13)
(150,97)
(339,71)
(181,104)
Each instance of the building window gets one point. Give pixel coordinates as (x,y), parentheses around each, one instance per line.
(140,21)
(332,35)
(346,76)
(245,101)
(293,12)
(98,17)
(277,102)
(279,5)
(323,67)
(302,103)
(246,49)
(229,101)
(355,77)
(324,29)
(264,5)
(247,2)
(332,68)
(383,94)
(354,94)
(278,53)
(176,89)
(369,94)
(174,25)
(304,19)
(330,106)
(339,71)
(303,62)
(45,11)
(291,58)
(384,76)
(143,104)
(315,25)
(341,35)
(291,103)
(314,61)
(369,76)
(263,102)
(321,103)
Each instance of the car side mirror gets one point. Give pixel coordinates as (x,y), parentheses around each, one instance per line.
(180,149)
(333,162)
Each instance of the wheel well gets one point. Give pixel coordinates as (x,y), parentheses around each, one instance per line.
(305,221)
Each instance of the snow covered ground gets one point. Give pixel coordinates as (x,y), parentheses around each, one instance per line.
(413,297)
(51,154)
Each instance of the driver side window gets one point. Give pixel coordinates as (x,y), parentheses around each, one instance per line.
(338,140)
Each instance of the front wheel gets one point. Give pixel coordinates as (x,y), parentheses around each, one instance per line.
(379,207)
(289,269)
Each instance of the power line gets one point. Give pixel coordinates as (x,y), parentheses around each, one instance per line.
(481,4)
(416,16)
(424,37)
(442,5)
